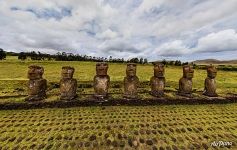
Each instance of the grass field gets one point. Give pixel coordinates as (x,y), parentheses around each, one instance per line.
(171,127)
(148,127)
(14,72)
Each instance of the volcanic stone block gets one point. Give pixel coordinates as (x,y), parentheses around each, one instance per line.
(101,81)
(157,82)
(131,82)
(185,83)
(210,82)
(36,85)
(68,85)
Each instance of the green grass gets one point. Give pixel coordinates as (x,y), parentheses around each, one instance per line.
(113,127)
(147,127)
(13,77)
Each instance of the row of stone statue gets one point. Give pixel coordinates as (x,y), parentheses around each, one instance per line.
(68,85)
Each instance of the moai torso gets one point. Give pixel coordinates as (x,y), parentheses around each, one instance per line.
(210,83)
(36,85)
(157,82)
(101,81)
(68,85)
(185,86)
(185,83)
(131,82)
(101,85)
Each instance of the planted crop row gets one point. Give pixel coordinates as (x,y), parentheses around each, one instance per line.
(149,127)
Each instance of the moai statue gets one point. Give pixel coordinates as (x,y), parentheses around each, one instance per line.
(131,82)
(101,81)
(185,83)
(68,85)
(157,82)
(210,83)
(36,85)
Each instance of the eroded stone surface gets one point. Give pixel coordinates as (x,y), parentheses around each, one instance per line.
(185,83)
(36,85)
(131,82)
(210,83)
(101,81)
(68,85)
(157,82)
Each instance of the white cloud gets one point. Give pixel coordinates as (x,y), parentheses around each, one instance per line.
(108,34)
(225,40)
(174,48)
(142,28)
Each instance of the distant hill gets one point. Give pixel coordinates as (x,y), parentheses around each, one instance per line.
(215,61)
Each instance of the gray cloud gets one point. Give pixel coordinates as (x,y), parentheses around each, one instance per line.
(225,40)
(129,28)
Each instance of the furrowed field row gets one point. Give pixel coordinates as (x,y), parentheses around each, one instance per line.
(121,127)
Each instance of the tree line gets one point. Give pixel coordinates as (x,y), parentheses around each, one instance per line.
(175,63)
(63,56)
(2,54)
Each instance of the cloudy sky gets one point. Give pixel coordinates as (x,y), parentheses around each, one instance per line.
(153,29)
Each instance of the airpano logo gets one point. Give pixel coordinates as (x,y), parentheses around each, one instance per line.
(221,144)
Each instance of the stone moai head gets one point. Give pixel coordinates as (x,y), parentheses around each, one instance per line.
(159,70)
(67,72)
(211,71)
(101,69)
(188,72)
(131,69)
(36,85)
(35,72)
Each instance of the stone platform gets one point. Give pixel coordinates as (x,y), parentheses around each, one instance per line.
(117,102)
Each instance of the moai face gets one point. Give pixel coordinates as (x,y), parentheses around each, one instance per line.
(67,72)
(101,69)
(35,72)
(211,71)
(188,72)
(159,70)
(131,70)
